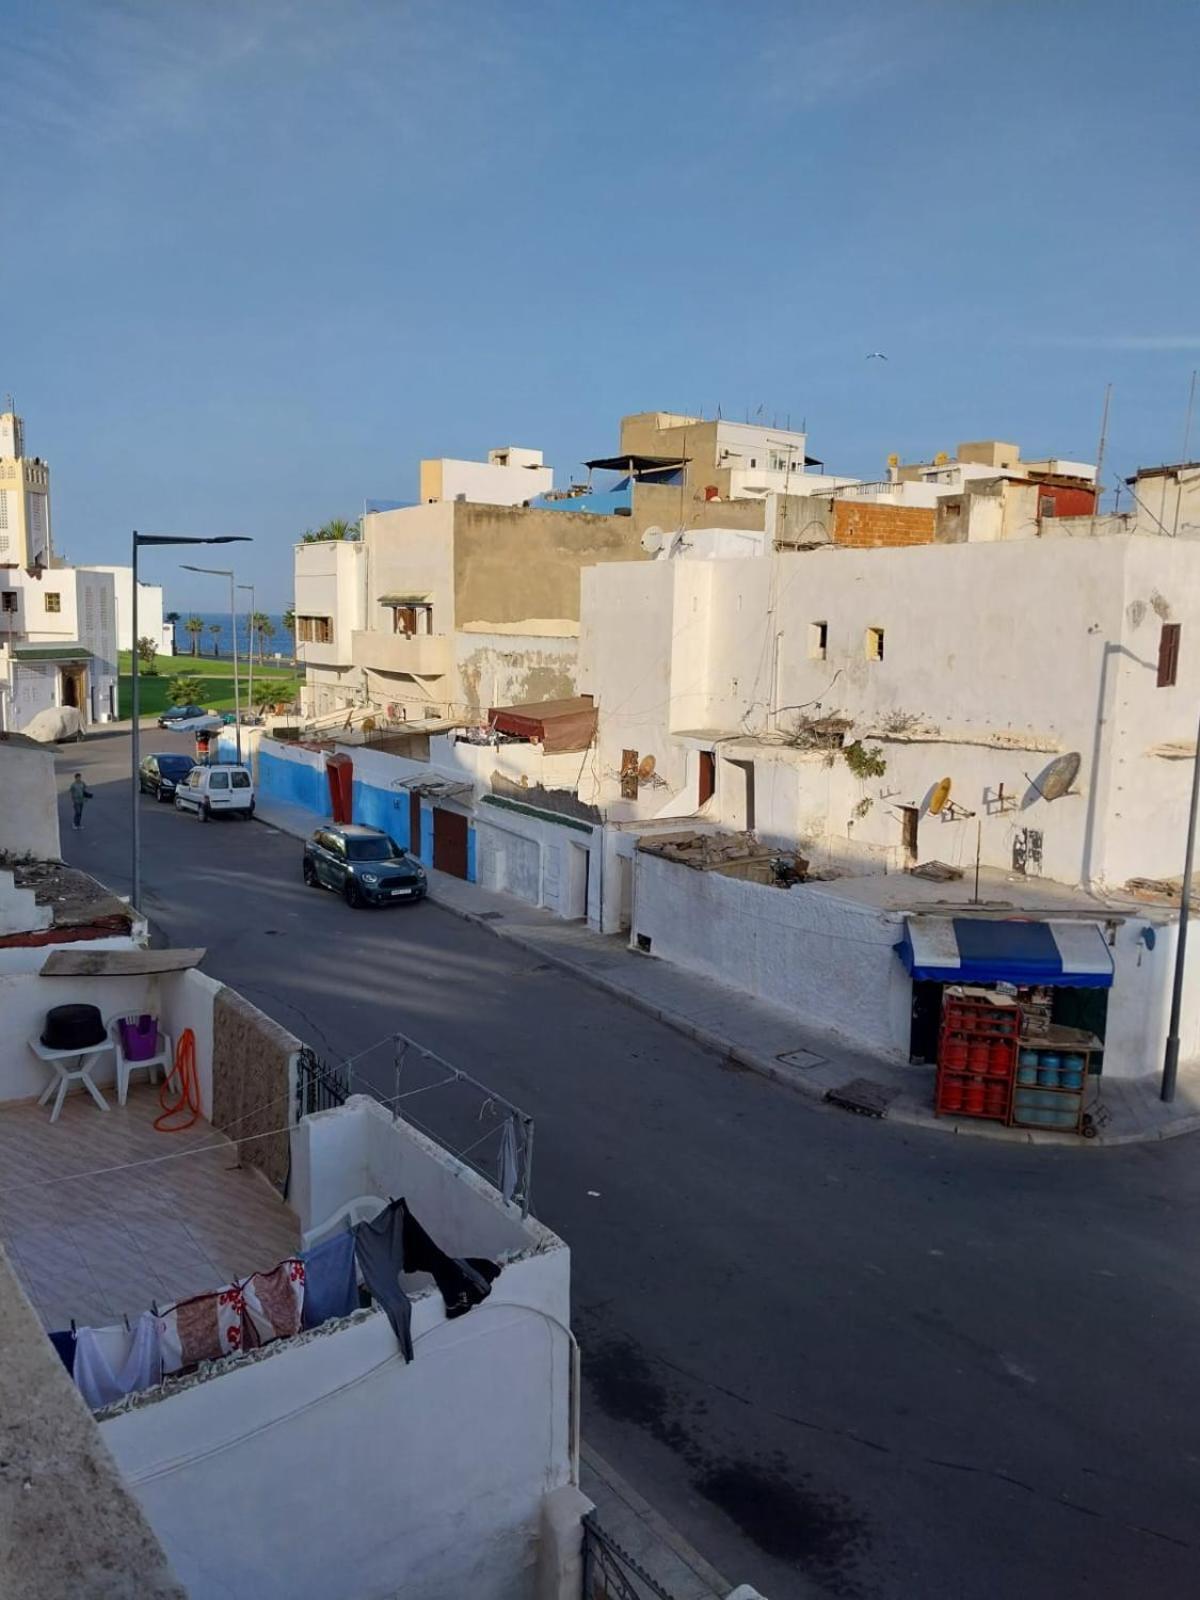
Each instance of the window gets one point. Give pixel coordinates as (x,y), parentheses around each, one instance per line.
(416,617)
(1168,655)
(315,630)
(52,601)
(8,600)
(218,780)
(874,644)
(708,776)
(241,780)
(753,461)
(818,641)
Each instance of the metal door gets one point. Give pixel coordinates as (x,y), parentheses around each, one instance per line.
(450,842)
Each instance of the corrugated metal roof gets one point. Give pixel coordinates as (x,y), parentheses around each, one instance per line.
(559,726)
(51,652)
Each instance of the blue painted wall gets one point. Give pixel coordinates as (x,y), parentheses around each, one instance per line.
(293,783)
(602,503)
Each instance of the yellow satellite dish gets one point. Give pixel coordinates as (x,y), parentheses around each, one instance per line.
(646,768)
(939,797)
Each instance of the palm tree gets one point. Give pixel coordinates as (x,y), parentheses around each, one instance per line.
(258,621)
(289,626)
(216,630)
(195,627)
(171,618)
(266,630)
(335,528)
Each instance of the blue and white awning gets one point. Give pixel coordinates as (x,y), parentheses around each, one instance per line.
(1072,955)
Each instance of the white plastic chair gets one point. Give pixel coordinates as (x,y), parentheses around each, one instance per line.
(162,1056)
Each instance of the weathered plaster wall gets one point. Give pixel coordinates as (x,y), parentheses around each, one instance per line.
(510,669)
(513,564)
(70,1524)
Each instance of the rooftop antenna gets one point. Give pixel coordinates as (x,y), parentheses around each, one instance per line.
(1187,439)
(1100,452)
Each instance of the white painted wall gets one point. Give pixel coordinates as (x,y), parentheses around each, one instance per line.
(28,803)
(500,669)
(150,608)
(489,484)
(329,580)
(1065,661)
(440,1468)
(539,861)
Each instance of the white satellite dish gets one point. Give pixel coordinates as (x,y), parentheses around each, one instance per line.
(652,541)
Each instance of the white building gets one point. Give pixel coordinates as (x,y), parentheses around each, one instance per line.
(150,610)
(819,699)
(509,477)
(58,641)
(58,648)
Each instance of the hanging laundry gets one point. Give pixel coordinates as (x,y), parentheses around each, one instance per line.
(64,1343)
(393,1243)
(510,1164)
(113,1362)
(272,1303)
(330,1281)
(204,1328)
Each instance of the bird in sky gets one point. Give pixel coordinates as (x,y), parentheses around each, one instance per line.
(876,355)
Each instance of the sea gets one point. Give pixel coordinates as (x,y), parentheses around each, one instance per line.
(279,646)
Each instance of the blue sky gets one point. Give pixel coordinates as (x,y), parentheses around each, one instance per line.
(272,252)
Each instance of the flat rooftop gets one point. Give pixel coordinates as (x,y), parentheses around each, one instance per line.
(95,1244)
(999,892)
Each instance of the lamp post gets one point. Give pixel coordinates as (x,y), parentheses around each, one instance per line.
(227,572)
(249,645)
(135,749)
(1171,1057)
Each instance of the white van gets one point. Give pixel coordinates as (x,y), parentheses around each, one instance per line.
(212,790)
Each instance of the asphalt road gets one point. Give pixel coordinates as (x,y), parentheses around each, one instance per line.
(844,1358)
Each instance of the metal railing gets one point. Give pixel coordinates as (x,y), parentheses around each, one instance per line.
(611,1573)
(472,1121)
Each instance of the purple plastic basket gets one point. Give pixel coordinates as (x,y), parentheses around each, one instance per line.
(139,1039)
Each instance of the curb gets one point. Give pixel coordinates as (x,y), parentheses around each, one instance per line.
(661,1529)
(790,1077)
(777,1071)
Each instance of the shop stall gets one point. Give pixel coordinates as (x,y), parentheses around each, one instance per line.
(1010,996)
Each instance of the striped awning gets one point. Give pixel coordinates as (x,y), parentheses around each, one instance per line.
(1072,955)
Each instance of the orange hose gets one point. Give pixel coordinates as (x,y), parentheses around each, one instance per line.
(189,1087)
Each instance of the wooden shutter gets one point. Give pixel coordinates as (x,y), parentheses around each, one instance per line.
(1168,654)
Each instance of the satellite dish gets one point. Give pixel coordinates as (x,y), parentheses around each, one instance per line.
(645,768)
(1058,777)
(939,797)
(652,541)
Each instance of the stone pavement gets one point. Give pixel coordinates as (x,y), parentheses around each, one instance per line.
(765,1038)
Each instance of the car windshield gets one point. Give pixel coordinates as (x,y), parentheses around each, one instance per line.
(381,849)
(184,711)
(174,766)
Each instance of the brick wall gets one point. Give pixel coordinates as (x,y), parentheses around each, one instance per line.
(864,525)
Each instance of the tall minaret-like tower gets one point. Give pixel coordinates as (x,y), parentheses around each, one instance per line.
(24,498)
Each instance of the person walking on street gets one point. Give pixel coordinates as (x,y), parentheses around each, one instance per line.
(79,792)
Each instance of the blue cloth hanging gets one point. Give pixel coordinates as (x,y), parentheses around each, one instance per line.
(330,1286)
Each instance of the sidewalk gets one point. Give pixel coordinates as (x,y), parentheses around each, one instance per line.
(762,1037)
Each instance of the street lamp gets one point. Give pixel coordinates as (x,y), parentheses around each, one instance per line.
(227,572)
(140,539)
(1171,1057)
(249,644)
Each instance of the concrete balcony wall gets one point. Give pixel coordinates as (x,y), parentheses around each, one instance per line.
(421,655)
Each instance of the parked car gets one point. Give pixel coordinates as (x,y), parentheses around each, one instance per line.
(212,791)
(178,713)
(206,721)
(366,866)
(160,774)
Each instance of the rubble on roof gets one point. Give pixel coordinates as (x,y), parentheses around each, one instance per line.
(82,907)
(735,855)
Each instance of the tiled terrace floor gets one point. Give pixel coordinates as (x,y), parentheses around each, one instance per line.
(97,1247)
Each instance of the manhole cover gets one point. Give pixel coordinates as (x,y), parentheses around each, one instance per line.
(801,1058)
(861,1095)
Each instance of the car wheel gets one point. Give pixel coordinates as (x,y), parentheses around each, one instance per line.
(310,875)
(352,894)
(203,812)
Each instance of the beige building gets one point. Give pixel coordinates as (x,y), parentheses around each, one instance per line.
(24,499)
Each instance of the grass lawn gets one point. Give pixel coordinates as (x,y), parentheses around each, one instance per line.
(216,680)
